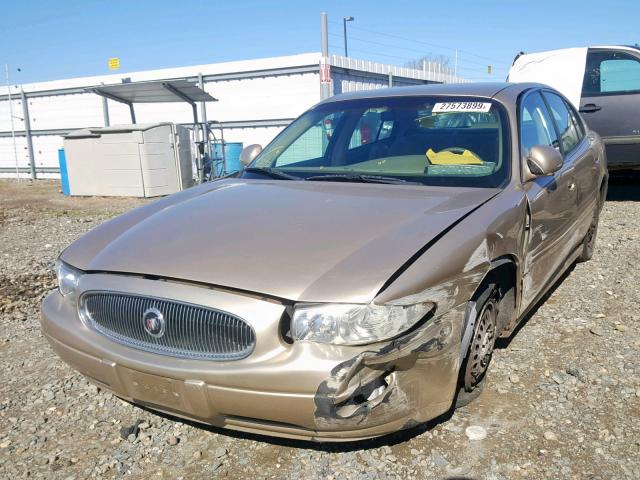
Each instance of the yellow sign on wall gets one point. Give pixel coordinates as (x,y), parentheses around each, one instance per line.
(114,63)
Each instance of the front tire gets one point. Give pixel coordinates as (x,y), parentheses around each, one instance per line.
(474,369)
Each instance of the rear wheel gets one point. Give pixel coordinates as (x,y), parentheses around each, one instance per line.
(476,363)
(589,242)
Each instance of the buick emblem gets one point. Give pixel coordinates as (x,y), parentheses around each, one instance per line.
(153,322)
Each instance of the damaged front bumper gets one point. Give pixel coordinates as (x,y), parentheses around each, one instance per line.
(303,390)
(403,382)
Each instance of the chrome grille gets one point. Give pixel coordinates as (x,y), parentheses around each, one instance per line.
(190,331)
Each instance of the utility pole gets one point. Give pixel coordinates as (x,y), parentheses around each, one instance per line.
(13,131)
(325,75)
(344,25)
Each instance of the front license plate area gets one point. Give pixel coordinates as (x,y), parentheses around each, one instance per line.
(154,389)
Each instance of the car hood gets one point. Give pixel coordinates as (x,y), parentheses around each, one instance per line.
(302,241)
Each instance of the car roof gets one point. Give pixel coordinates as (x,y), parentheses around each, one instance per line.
(480,89)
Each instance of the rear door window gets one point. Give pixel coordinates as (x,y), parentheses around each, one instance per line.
(611,72)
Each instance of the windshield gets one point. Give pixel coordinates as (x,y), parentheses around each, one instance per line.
(453,141)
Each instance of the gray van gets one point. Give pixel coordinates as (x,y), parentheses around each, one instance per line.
(603,83)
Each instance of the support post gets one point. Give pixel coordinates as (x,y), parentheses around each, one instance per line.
(196,126)
(203,116)
(132,112)
(27,134)
(390,78)
(196,140)
(105,111)
(222,152)
(325,87)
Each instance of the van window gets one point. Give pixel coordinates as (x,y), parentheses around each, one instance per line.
(568,126)
(610,72)
(536,126)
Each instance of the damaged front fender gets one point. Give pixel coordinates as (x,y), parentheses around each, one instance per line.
(412,377)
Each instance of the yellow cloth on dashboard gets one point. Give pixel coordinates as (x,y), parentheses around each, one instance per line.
(450,158)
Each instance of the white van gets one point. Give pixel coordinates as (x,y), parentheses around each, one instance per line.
(603,83)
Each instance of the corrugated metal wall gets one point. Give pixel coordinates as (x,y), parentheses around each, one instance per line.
(258,96)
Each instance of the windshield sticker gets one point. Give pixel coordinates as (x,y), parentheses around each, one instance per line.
(461,107)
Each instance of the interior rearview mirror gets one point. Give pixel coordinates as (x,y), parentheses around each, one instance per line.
(544,160)
(249,153)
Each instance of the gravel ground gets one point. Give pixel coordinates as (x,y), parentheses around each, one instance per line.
(563,398)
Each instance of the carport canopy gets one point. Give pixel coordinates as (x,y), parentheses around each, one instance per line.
(159,91)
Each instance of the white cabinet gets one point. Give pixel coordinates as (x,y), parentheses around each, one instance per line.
(144,160)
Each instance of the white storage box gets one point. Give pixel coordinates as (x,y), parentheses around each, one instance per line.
(145,160)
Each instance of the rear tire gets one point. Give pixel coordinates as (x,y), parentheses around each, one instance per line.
(589,242)
(473,373)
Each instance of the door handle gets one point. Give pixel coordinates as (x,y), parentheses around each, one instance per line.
(590,108)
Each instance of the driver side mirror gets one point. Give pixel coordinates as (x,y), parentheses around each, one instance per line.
(544,160)
(249,153)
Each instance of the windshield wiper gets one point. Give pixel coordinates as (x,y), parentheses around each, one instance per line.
(271,172)
(359,178)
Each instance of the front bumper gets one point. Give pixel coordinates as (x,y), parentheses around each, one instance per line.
(304,391)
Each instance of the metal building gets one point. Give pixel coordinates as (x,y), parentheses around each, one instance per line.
(256,99)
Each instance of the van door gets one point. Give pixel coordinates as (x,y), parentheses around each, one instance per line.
(611,101)
(552,202)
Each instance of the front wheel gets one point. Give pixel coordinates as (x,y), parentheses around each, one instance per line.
(476,363)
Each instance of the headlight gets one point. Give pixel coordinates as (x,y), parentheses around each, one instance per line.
(349,324)
(68,278)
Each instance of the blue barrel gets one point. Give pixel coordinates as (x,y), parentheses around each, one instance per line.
(232,151)
(64,176)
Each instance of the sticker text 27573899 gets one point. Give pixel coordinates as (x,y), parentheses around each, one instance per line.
(461,107)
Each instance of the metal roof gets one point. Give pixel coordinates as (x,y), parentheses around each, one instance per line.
(163,91)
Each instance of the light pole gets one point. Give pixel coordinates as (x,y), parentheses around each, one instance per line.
(344,25)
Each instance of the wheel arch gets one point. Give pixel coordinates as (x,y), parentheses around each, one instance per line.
(504,275)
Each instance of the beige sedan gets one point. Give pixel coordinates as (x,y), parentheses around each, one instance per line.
(351,281)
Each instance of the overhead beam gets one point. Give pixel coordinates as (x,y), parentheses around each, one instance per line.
(110,96)
(28,170)
(178,93)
